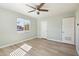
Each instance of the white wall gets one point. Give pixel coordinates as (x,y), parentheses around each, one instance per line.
(8,33)
(54,26)
(77,31)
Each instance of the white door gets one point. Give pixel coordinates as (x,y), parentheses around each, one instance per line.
(68,30)
(43,29)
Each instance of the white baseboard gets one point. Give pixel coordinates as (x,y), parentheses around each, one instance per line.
(10,44)
(61,41)
(57,40)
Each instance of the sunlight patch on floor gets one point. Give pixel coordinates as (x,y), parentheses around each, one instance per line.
(21,51)
(26,47)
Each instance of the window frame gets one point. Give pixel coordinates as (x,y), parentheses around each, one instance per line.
(23,31)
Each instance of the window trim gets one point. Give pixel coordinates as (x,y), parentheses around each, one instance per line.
(24,30)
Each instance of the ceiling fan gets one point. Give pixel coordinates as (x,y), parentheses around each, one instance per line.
(38,8)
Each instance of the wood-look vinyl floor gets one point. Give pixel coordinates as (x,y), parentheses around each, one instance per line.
(42,47)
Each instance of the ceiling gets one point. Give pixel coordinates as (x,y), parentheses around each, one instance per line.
(54,8)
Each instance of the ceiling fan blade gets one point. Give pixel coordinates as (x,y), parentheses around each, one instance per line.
(30,6)
(43,10)
(38,7)
(31,11)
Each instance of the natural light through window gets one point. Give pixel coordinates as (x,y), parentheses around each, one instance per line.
(23,24)
(21,51)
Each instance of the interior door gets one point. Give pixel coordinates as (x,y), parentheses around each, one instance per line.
(68,30)
(43,29)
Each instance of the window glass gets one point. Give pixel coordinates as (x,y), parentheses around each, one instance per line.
(22,24)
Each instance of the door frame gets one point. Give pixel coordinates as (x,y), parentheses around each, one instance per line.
(74,30)
(41,29)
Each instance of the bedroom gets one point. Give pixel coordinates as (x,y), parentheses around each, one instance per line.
(39,33)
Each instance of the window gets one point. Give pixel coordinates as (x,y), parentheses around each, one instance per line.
(23,24)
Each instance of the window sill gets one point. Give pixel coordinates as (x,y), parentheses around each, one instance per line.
(22,31)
